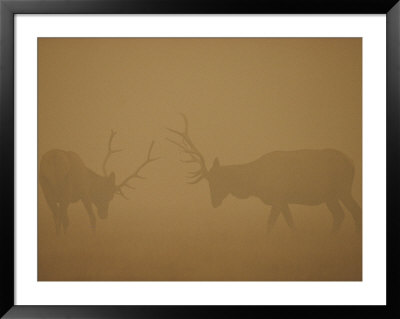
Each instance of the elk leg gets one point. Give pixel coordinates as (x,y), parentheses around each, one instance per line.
(56,214)
(56,217)
(272,218)
(287,214)
(355,210)
(337,213)
(48,195)
(64,216)
(92,216)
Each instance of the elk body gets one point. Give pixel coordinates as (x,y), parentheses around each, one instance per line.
(65,179)
(281,178)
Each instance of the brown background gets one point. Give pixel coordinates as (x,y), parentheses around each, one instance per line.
(243,98)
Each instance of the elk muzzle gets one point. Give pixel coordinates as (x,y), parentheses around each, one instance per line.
(102,210)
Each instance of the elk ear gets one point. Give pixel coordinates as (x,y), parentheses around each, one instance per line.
(111,178)
(216,162)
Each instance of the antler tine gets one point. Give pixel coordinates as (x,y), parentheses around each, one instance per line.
(189,161)
(186,124)
(195,173)
(188,147)
(110,151)
(149,151)
(119,192)
(136,173)
(198,179)
(177,144)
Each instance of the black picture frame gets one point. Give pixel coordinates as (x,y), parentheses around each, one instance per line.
(8,10)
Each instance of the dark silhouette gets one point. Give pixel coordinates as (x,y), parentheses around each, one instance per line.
(65,179)
(308,177)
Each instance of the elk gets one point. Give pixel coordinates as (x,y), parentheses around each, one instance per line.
(278,179)
(65,179)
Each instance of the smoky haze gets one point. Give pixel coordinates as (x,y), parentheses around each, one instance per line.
(244,98)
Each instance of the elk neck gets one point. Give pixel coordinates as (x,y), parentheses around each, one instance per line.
(237,179)
(95,180)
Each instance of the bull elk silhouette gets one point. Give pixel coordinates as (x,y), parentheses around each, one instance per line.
(65,179)
(280,178)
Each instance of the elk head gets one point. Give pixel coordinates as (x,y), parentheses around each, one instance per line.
(107,187)
(214,176)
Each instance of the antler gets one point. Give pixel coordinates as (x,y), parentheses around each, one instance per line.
(188,147)
(136,173)
(110,151)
